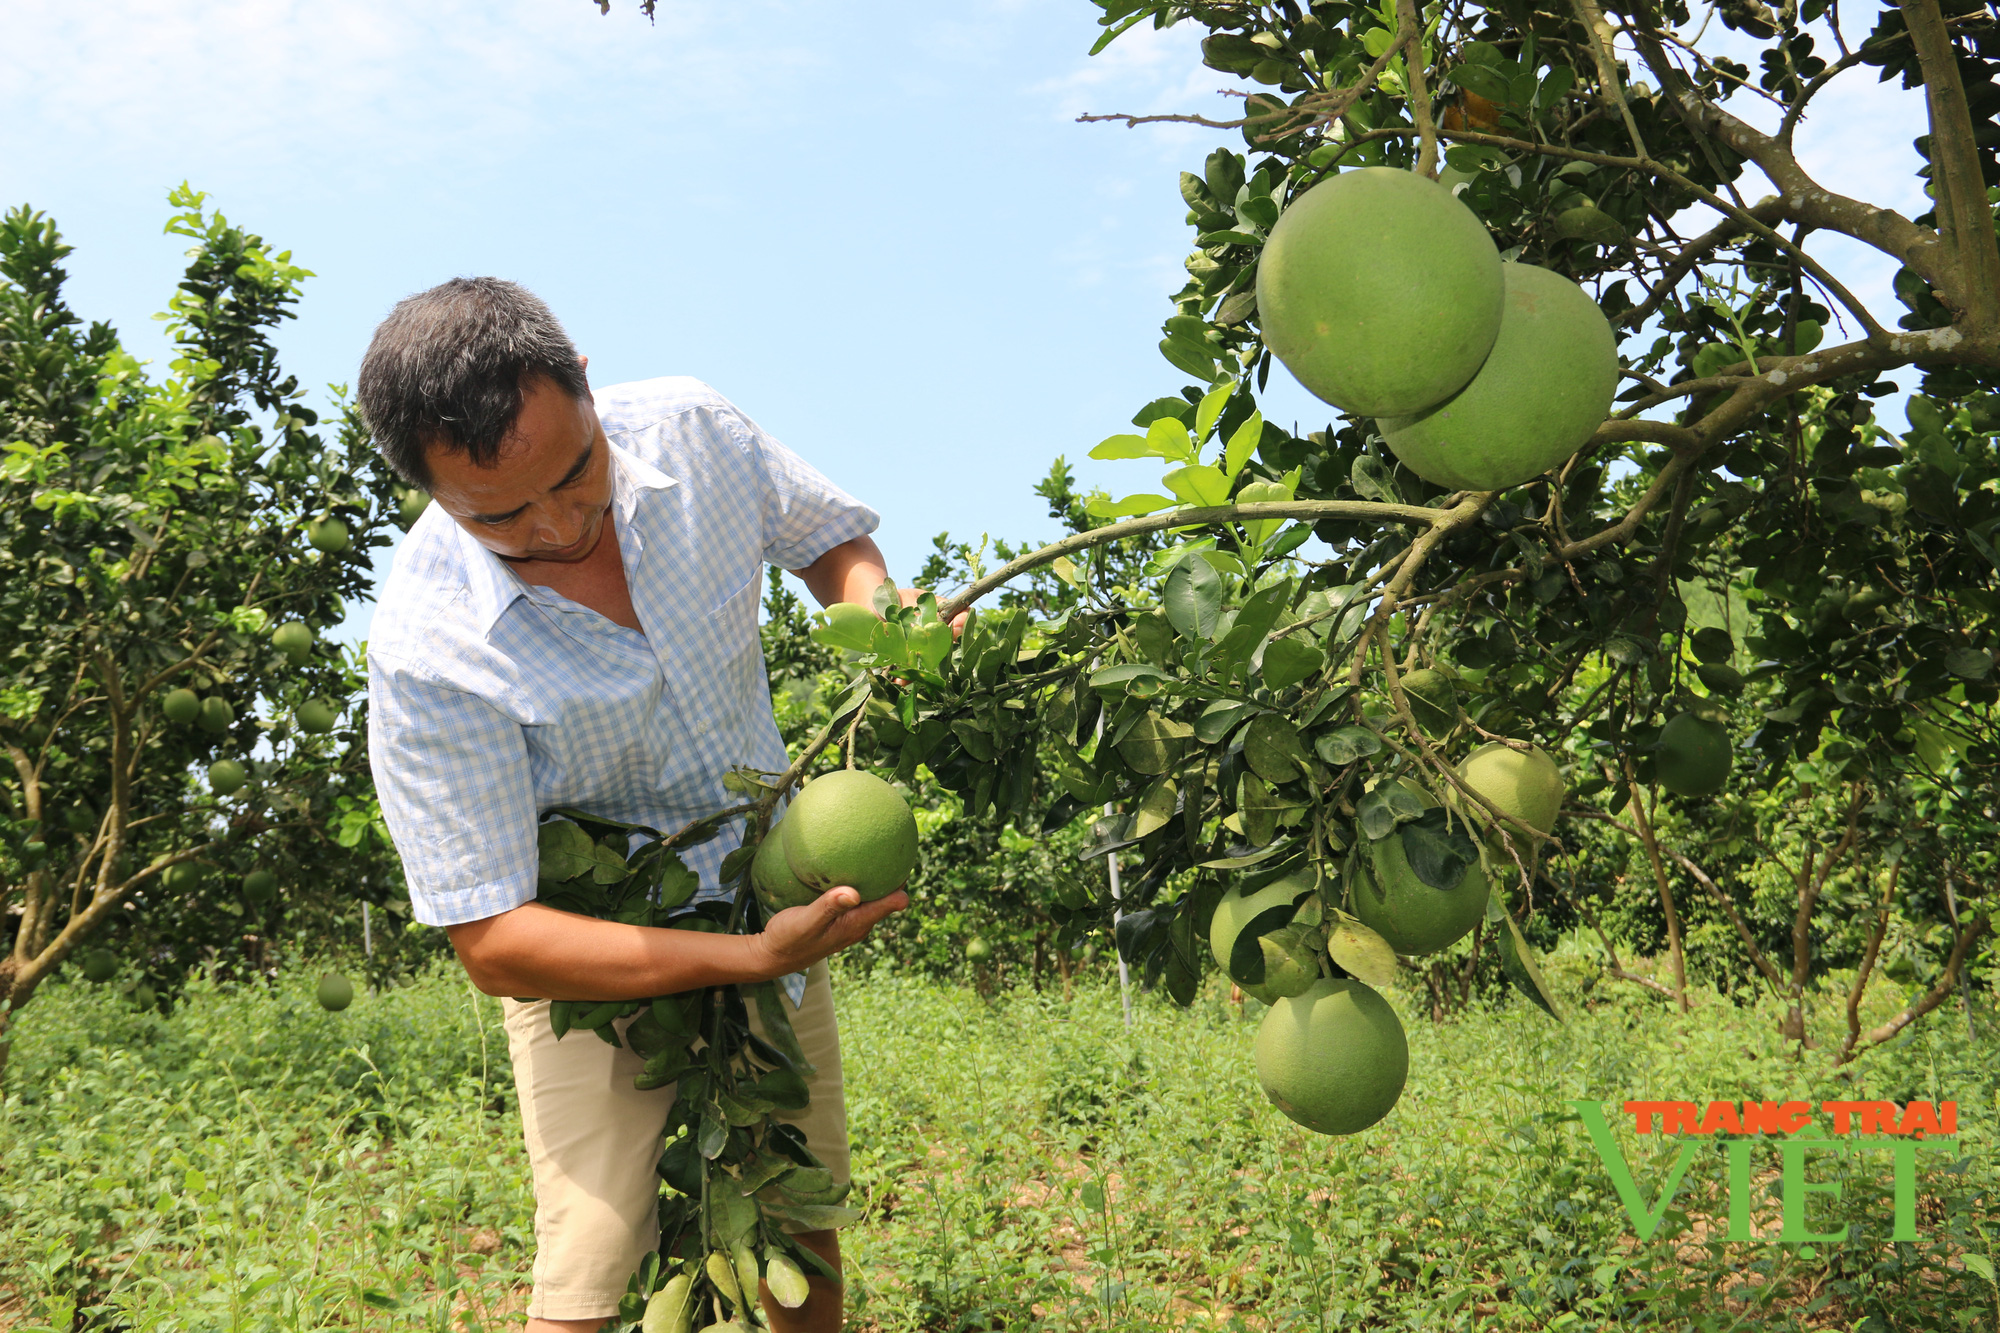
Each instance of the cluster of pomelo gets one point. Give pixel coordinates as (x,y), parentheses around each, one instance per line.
(216,715)
(848,827)
(1386,297)
(1333,1056)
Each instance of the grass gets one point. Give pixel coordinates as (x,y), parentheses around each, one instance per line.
(252,1163)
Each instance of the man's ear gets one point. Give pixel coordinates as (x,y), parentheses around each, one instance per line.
(584,361)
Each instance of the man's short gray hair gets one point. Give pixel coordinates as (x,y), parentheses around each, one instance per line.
(448,368)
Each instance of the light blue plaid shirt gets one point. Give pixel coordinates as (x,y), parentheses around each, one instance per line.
(492,700)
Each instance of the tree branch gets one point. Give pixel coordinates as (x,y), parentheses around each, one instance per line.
(1937,994)
(1410,29)
(1964,217)
(1188,518)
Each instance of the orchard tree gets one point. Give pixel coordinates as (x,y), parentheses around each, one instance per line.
(1729,626)
(170,711)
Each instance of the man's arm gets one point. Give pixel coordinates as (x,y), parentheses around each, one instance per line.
(851,572)
(554,955)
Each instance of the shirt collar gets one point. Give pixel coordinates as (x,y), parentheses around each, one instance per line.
(494,587)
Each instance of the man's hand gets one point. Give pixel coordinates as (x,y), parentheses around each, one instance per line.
(910,597)
(798,937)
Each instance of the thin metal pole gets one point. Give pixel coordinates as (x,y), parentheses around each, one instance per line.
(367,935)
(1117,911)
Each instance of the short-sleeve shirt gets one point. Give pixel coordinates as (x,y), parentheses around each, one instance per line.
(493,701)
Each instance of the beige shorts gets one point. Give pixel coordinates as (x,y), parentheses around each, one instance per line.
(594,1141)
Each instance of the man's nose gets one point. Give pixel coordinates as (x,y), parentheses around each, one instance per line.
(559,529)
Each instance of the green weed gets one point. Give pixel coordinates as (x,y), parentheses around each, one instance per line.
(249,1162)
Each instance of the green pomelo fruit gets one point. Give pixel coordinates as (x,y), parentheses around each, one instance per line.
(182,706)
(226,777)
(410,506)
(316,716)
(335,992)
(851,828)
(328,534)
(260,885)
(145,996)
(1693,758)
(100,965)
(295,640)
(1527,786)
(180,877)
(1380,292)
(772,879)
(1535,401)
(217,716)
(1413,917)
(1236,911)
(1334,1059)
(977,950)
(1433,700)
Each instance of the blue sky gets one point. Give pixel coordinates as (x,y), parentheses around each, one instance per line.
(874,226)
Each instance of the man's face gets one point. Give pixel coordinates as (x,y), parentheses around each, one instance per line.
(546,495)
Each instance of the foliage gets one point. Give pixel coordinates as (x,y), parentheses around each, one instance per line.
(158,540)
(733,1176)
(1023,1161)
(1758,549)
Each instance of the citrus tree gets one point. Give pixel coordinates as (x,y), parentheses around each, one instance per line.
(1602,553)
(1725,595)
(177,731)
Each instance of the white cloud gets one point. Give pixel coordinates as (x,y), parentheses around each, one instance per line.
(357,89)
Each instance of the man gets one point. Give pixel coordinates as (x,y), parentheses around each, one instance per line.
(573,622)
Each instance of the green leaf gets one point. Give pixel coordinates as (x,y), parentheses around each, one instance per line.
(1970,663)
(1210,408)
(1720,679)
(1360,951)
(1258,808)
(1156,809)
(1153,743)
(1384,806)
(1273,749)
(1712,645)
(846,625)
(1289,965)
(1247,859)
(929,644)
(1371,480)
(1290,660)
(1438,848)
(565,852)
(608,866)
(891,643)
(1517,960)
(1132,506)
(1349,743)
(1219,719)
(1185,353)
(1198,484)
(1192,599)
(1242,444)
(1115,679)
(1125,446)
(814,1217)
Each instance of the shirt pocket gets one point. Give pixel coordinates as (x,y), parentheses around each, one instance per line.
(737,656)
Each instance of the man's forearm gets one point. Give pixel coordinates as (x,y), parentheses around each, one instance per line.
(535,950)
(849,572)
